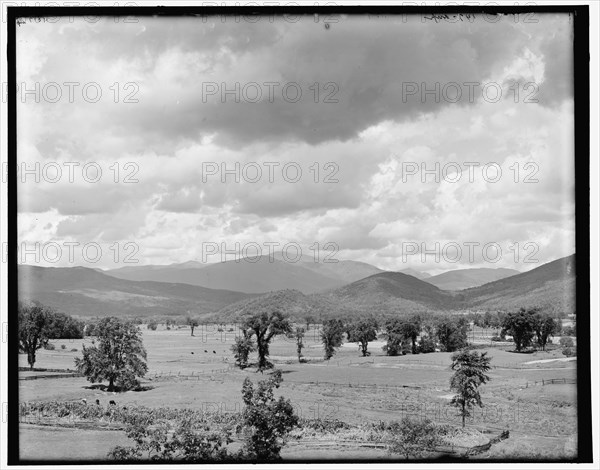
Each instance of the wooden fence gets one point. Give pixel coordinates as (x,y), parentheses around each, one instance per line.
(51,376)
(195,375)
(550,382)
(482,448)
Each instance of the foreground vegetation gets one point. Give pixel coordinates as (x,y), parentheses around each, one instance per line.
(166,434)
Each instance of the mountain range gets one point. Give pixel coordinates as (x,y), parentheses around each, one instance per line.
(254,275)
(88,292)
(306,274)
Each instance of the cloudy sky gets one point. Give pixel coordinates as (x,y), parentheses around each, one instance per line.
(343,97)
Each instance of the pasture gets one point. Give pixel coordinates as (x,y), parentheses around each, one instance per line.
(349,387)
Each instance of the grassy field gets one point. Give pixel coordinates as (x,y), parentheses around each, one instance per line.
(349,387)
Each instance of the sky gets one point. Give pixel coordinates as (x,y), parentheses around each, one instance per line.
(139,130)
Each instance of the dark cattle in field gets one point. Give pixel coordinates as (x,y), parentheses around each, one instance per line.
(97,401)
(84,401)
(214,352)
(192,352)
(112,402)
(205,351)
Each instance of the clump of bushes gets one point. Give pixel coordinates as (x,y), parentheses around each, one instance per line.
(568,346)
(49,347)
(62,346)
(152,326)
(265,423)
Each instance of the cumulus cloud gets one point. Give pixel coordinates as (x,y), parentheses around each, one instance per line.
(376,95)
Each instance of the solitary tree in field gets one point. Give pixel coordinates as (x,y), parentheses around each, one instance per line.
(299,336)
(470,372)
(265,326)
(521,325)
(192,322)
(332,335)
(119,356)
(363,331)
(309,319)
(34,329)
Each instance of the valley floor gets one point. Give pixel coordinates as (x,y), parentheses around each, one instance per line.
(541,418)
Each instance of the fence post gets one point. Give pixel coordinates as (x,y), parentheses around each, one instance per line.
(543,382)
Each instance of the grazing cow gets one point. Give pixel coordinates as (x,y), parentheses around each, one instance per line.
(97,401)
(214,352)
(205,351)
(112,402)
(125,408)
(84,401)
(192,352)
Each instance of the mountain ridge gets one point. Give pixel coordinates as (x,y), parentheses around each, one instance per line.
(85,292)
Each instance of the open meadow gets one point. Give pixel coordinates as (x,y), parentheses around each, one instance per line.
(533,396)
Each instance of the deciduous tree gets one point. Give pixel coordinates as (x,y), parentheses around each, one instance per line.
(268,419)
(451,332)
(470,372)
(299,336)
(544,326)
(310,320)
(34,329)
(265,326)
(361,332)
(119,355)
(332,335)
(521,325)
(192,322)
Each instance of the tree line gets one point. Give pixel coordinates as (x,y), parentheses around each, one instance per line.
(38,324)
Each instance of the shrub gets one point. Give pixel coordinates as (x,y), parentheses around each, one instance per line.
(74,350)
(413,438)
(152,326)
(188,442)
(242,348)
(269,420)
(62,346)
(49,347)
(569,331)
(566,342)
